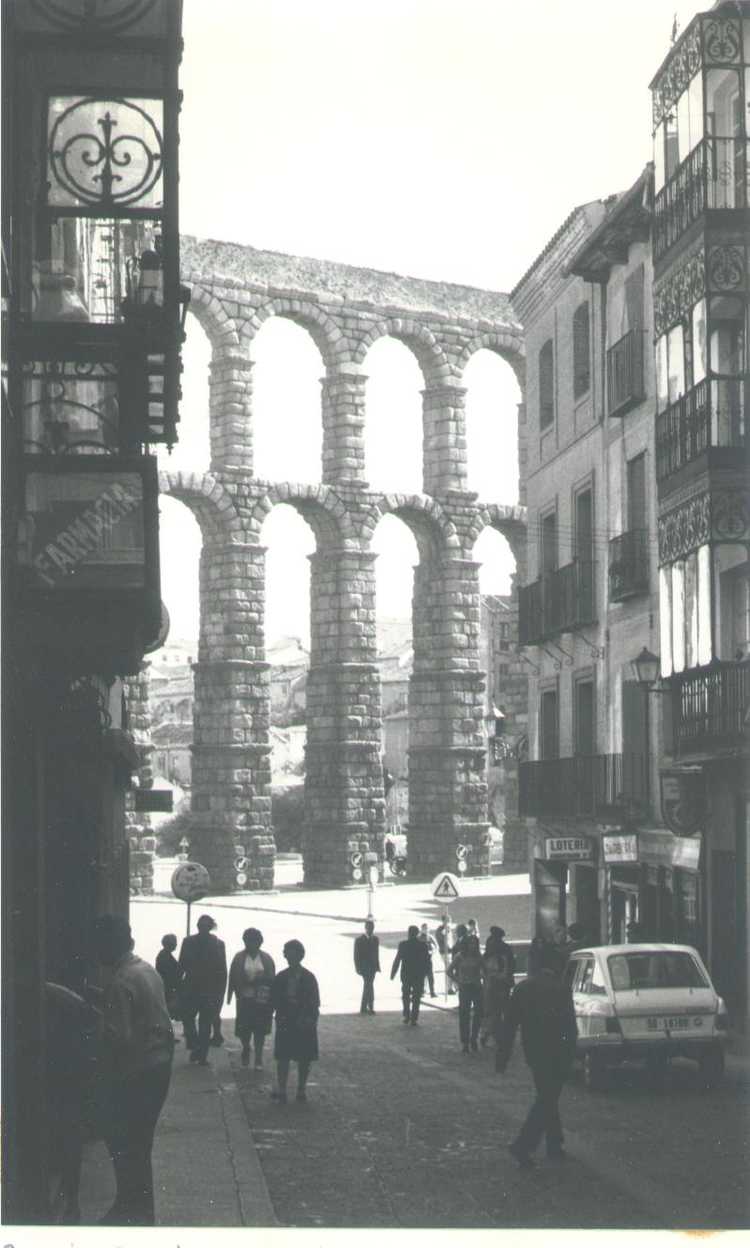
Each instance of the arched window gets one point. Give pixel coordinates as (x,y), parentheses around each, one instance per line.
(546,385)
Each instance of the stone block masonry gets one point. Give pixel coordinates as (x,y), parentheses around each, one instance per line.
(234,290)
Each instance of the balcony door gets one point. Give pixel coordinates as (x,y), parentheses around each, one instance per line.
(585,743)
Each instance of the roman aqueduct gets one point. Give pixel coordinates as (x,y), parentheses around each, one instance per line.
(234,290)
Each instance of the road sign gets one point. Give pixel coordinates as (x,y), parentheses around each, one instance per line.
(190,881)
(356,859)
(462,866)
(356,873)
(461,852)
(241,878)
(240,864)
(445,886)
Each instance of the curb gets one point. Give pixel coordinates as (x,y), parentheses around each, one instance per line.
(252,1191)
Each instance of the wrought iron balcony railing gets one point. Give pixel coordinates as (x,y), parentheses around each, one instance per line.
(628,564)
(712,176)
(625,373)
(557,602)
(711,706)
(713,413)
(582,785)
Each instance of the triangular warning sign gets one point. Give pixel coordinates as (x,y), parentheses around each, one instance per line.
(445,888)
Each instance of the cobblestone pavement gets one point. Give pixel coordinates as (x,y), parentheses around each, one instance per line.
(402,1130)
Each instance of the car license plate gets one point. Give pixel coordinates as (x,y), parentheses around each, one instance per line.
(680,1023)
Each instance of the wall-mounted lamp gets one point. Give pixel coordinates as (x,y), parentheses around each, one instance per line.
(645,668)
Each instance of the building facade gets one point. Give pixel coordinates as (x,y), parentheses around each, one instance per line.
(93,332)
(701,246)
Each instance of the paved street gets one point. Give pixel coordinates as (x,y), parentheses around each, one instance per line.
(402,1130)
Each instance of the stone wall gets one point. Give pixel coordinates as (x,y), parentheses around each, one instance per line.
(234,290)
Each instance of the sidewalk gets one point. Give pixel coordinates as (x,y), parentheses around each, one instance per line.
(206,1168)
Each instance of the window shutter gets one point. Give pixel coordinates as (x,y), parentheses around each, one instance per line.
(581,351)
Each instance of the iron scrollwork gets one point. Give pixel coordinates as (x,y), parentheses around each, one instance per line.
(730,520)
(722,40)
(107,170)
(70,406)
(675,297)
(726,267)
(684,529)
(683,65)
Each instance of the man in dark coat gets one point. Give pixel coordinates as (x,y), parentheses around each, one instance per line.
(203,962)
(413,958)
(542,1006)
(367,964)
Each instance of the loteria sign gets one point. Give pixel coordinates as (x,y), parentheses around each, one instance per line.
(569,847)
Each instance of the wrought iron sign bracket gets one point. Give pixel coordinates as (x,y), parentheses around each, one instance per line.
(597,652)
(569,660)
(523,659)
(556,663)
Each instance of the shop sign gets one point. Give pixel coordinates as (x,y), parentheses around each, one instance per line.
(686,852)
(622,847)
(568,847)
(682,800)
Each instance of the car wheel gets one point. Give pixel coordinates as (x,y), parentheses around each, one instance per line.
(711,1067)
(594,1072)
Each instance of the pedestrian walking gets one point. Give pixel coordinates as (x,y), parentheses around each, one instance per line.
(444,940)
(413,959)
(136,1046)
(466,969)
(428,939)
(251,977)
(543,1008)
(203,961)
(367,964)
(498,967)
(295,1000)
(473,928)
(171,974)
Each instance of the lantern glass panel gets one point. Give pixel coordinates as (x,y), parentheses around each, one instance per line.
(87,268)
(70,408)
(104,153)
(83,530)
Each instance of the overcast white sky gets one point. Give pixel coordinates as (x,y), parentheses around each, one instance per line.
(445,139)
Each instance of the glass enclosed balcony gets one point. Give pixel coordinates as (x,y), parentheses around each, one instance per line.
(710,706)
(711,414)
(712,177)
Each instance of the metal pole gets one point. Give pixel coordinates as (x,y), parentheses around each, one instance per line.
(188,918)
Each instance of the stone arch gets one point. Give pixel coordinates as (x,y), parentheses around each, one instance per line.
(209,311)
(208,501)
(323,330)
(418,338)
(434,532)
(319,505)
(509,346)
(510,522)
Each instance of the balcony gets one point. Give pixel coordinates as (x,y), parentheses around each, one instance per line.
(625,373)
(628,565)
(710,178)
(712,414)
(710,706)
(583,785)
(560,601)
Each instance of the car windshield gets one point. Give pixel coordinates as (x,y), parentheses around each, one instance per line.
(655,969)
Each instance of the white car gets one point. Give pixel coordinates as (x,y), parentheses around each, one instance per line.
(645,1002)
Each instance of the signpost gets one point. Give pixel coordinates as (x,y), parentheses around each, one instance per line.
(190,882)
(371,861)
(445,887)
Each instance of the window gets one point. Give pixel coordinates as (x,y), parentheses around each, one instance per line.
(546,385)
(685,612)
(548,551)
(549,739)
(654,969)
(581,351)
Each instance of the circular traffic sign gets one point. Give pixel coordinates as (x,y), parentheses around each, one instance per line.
(190,881)
(241,878)
(240,864)
(462,866)
(356,874)
(461,852)
(356,859)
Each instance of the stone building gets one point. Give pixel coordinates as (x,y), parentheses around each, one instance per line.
(234,290)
